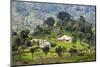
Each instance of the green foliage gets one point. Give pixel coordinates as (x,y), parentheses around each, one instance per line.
(14,48)
(32,50)
(80,49)
(52,55)
(53,34)
(64,16)
(14,33)
(74,39)
(24,33)
(38,29)
(47,31)
(46,50)
(50,21)
(60,50)
(82,19)
(28,43)
(17,41)
(73,51)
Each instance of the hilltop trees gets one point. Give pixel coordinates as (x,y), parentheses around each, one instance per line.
(84,26)
(81,32)
(64,17)
(85,29)
(45,30)
(38,30)
(79,29)
(82,19)
(50,21)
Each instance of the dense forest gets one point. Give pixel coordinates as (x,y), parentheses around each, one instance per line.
(27,49)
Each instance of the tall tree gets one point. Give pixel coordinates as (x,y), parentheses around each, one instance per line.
(38,29)
(46,49)
(24,33)
(50,21)
(32,51)
(63,16)
(82,19)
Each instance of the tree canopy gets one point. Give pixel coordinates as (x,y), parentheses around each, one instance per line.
(50,21)
(64,16)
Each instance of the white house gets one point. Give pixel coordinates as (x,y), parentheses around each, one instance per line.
(65,38)
(41,43)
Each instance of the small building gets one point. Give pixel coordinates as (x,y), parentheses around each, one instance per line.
(65,38)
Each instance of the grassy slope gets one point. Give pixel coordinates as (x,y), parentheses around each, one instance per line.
(40,58)
(27,57)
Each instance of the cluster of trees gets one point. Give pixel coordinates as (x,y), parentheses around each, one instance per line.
(21,38)
(60,50)
(80,29)
(20,41)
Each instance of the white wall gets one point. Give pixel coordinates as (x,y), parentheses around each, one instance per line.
(5,33)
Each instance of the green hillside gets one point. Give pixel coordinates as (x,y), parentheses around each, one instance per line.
(80,49)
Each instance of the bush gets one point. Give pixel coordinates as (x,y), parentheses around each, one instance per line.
(46,49)
(60,50)
(73,51)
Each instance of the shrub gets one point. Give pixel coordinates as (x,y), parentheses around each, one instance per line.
(73,51)
(46,49)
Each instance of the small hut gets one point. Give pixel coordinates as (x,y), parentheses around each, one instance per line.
(65,38)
